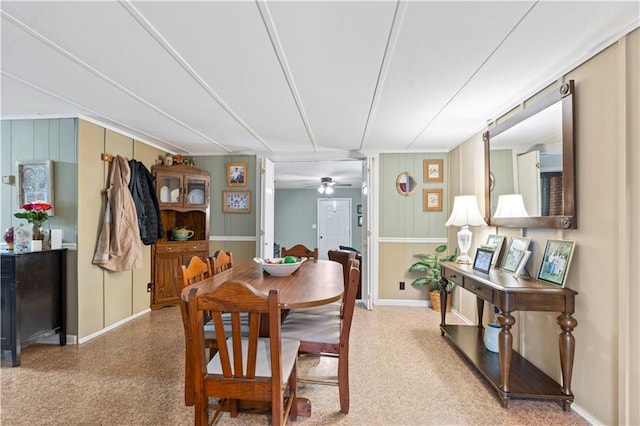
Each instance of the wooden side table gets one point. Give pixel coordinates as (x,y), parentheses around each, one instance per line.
(510,374)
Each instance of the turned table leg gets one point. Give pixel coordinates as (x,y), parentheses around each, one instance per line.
(505,345)
(567,350)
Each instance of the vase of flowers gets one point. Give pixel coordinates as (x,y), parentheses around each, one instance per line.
(36,214)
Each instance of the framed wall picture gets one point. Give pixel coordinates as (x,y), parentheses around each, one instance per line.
(359,220)
(556,261)
(237,174)
(35,183)
(432,171)
(432,200)
(514,254)
(359,208)
(495,241)
(236,201)
(482,262)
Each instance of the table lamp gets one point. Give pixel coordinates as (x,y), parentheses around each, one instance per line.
(510,205)
(465,213)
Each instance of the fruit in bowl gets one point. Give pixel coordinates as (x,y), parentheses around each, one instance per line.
(280,266)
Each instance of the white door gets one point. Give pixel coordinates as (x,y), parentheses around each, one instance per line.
(334,224)
(529,181)
(267,210)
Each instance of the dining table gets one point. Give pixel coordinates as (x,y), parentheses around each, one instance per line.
(316,282)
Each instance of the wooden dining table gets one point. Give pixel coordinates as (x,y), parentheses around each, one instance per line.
(316,282)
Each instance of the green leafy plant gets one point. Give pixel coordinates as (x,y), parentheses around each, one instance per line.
(429,265)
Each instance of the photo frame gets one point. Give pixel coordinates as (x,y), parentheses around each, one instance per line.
(523,264)
(432,200)
(359,220)
(236,201)
(496,241)
(236,174)
(35,183)
(359,209)
(484,257)
(556,261)
(432,171)
(514,254)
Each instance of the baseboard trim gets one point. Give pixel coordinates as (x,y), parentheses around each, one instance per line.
(112,326)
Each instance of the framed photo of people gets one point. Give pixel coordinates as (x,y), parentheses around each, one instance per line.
(237,174)
(556,261)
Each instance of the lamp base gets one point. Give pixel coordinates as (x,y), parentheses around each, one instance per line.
(464,259)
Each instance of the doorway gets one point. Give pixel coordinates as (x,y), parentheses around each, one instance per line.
(334,224)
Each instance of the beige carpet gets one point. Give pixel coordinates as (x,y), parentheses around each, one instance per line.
(402,373)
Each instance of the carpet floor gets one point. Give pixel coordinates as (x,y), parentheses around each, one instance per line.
(402,373)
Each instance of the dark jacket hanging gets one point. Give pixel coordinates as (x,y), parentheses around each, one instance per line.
(142,189)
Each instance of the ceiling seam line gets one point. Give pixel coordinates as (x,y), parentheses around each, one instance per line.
(45,91)
(466,83)
(102,76)
(155,34)
(265,14)
(384,67)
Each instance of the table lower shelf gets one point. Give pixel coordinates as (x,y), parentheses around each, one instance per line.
(525,379)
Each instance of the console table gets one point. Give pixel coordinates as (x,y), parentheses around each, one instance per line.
(33,298)
(510,374)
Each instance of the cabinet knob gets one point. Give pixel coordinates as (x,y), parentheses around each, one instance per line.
(169,248)
(453,276)
(475,287)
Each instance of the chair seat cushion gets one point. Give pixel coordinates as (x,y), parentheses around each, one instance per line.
(289,351)
(327,309)
(312,328)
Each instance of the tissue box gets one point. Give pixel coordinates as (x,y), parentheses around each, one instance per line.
(56,239)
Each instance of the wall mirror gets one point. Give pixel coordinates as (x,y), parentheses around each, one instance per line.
(532,153)
(406,184)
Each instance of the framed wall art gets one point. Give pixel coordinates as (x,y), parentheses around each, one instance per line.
(237,174)
(432,200)
(514,254)
(556,261)
(236,201)
(35,183)
(432,171)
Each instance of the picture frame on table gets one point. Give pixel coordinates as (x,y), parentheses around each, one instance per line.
(237,174)
(236,201)
(556,261)
(35,183)
(496,241)
(432,171)
(432,200)
(523,264)
(484,257)
(514,254)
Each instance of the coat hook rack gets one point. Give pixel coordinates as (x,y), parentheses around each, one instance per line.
(107,157)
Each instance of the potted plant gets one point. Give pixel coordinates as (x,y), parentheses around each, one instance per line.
(429,266)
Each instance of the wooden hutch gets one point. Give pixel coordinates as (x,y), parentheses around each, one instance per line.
(183,195)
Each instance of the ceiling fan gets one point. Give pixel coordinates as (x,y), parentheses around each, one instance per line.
(327,183)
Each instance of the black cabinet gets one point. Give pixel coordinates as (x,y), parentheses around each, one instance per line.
(32,299)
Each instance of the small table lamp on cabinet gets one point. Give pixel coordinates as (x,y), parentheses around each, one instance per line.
(465,213)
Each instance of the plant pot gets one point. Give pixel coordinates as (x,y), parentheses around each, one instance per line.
(435,300)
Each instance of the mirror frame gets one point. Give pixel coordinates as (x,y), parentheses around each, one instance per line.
(409,175)
(567,220)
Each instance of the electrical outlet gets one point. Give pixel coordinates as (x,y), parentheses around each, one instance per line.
(401,285)
(148,287)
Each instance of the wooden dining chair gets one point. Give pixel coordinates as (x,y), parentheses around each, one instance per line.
(246,367)
(299,250)
(328,334)
(221,261)
(196,270)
